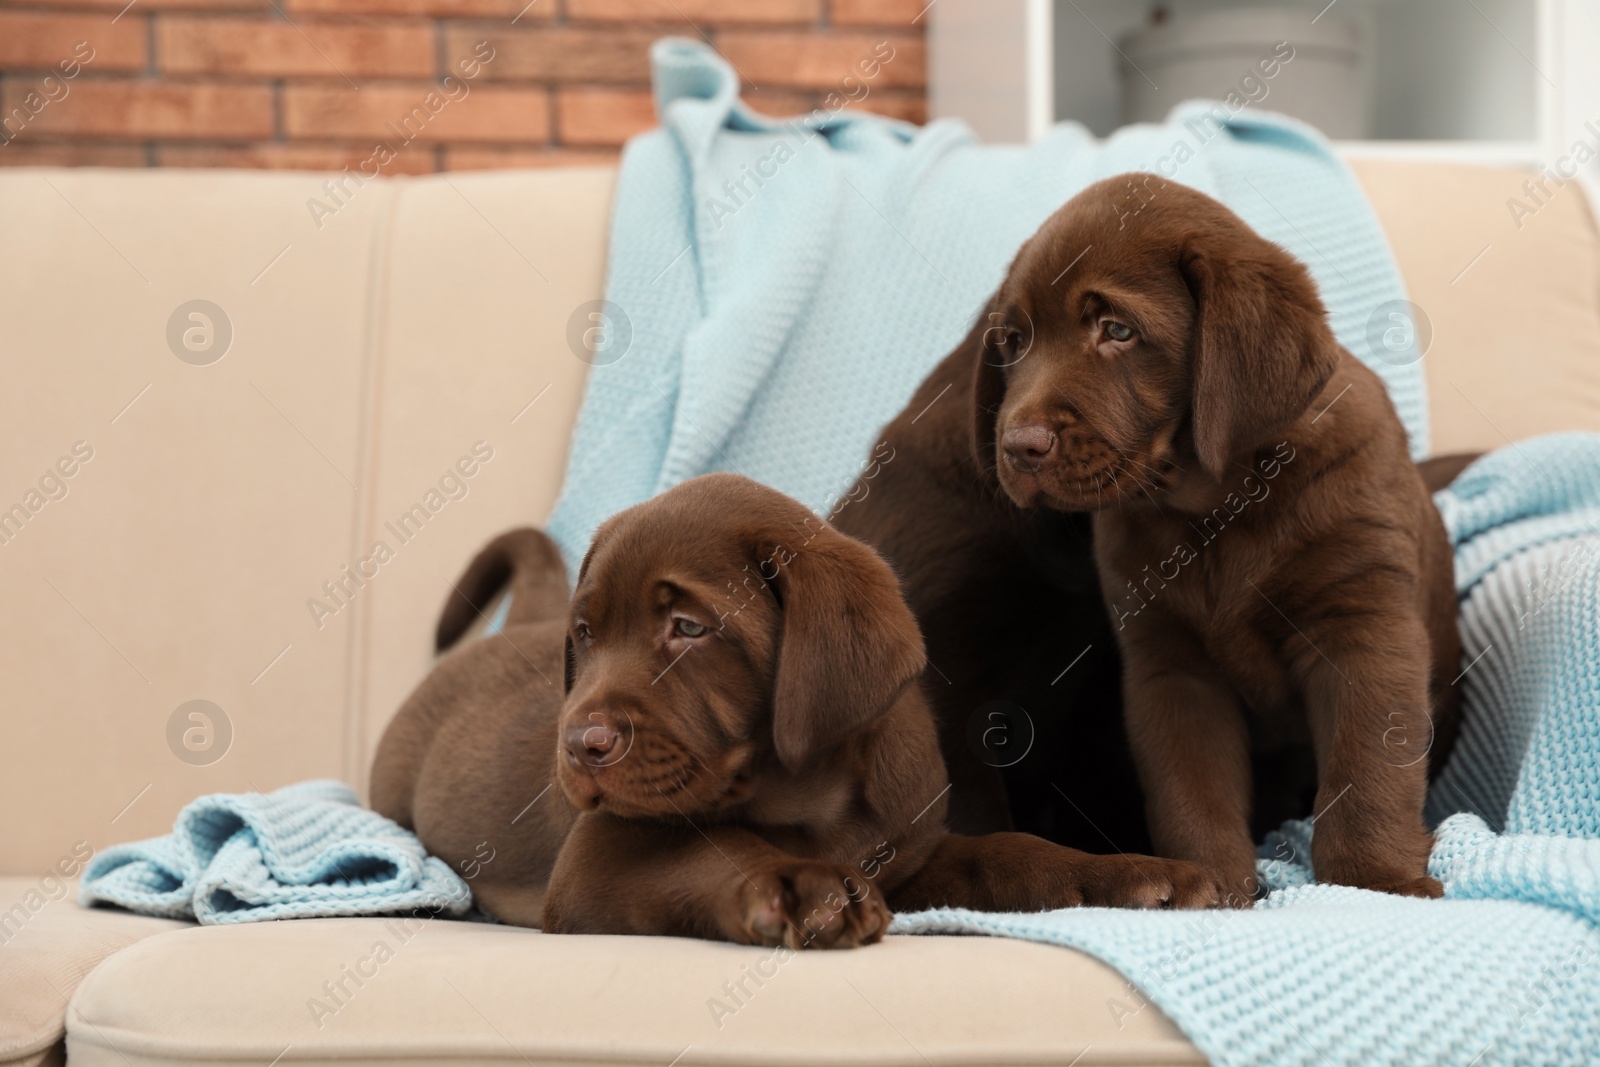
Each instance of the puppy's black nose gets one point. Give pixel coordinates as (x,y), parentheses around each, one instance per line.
(1027,446)
(593,742)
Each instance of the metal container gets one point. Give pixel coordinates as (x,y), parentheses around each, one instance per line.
(1248,57)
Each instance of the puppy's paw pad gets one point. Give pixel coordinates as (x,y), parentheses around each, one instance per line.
(766,918)
(811,904)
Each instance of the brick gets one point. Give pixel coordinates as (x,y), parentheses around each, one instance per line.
(557,54)
(541,11)
(895,103)
(824,60)
(602,116)
(417,160)
(312,48)
(124,109)
(488,115)
(72,155)
(781,103)
(31,40)
(239,86)
(897,13)
(701,12)
(115,7)
(468,158)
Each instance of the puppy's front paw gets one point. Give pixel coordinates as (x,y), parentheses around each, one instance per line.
(811,904)
(1426,888)
(1404,874)
(1147,882)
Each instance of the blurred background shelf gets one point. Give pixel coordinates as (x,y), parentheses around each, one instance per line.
(1491,81)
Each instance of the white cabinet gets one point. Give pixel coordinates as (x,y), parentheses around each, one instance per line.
(1480,80)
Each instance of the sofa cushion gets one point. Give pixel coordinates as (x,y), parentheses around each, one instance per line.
(47,945)
(380,991)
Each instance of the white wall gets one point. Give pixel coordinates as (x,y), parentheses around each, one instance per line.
(978,66)
(1447,69)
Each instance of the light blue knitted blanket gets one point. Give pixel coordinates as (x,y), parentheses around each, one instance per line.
(779,289)
(305,851)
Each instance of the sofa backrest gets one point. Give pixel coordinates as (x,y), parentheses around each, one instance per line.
(1510,280)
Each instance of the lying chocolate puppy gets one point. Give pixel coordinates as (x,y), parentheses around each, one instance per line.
(1278,577)
(731,712)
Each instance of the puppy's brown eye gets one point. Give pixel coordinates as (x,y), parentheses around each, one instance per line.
(581,631)
(688,628)
(1116,331)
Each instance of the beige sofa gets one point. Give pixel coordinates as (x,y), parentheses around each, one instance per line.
(209,500)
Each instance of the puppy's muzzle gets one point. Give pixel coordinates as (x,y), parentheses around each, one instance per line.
(1027,447)
(594,742)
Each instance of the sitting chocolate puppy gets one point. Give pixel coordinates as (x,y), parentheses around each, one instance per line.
(1276,573)
(729,708)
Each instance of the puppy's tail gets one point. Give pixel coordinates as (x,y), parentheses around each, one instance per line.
(525,557)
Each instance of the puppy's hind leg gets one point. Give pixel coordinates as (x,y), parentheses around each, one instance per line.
(526,558)
(518,905)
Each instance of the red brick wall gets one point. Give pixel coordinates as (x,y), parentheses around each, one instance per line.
(317,84)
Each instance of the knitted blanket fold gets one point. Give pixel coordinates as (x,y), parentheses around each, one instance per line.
(304,851)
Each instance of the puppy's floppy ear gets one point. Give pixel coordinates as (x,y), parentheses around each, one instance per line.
(1262,349)
(849,645)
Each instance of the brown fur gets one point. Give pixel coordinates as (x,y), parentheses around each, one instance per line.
(1007,598)
(1277,575)
(1439,471)
(774,778)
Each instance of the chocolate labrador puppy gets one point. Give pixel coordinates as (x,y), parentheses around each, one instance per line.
(731,711)
(1277,577)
